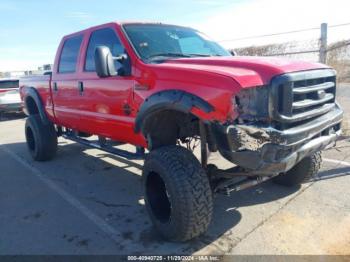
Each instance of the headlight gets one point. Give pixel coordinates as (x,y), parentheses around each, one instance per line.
(252,104)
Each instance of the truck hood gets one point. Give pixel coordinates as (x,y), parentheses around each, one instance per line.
(247,71)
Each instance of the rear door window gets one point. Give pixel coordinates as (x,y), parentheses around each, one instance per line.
(69,54)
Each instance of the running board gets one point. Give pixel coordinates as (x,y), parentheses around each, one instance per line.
(138,155)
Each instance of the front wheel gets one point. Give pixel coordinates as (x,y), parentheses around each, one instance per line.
(301,172)
(178,197)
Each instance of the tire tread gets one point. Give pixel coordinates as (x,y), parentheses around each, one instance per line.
(305,170)
(193,190)
(45,138)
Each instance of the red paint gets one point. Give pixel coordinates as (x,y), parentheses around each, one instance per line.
(100,110)
(6,90)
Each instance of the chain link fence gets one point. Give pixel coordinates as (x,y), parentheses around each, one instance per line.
(336,54)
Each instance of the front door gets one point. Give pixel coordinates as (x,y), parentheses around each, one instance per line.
(106,102)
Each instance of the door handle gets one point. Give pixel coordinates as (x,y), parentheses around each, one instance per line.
(55,87)
(80,87)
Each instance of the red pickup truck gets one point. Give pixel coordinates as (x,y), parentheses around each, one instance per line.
(166,89)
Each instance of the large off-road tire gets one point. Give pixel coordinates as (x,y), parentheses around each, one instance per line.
(178,197)
(301,172)
(41,139)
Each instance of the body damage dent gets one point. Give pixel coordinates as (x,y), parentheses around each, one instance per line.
(252,138)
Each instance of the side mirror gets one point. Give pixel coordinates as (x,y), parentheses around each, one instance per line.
(104,61)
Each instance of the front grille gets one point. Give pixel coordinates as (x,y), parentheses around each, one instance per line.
(302,96)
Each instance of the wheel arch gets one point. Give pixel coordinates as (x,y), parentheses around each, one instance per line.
(167,116)
(34,105)
(169,100)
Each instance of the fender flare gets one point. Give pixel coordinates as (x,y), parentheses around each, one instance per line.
(34,94)
(169,99)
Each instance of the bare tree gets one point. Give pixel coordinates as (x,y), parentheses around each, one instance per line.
(338,57)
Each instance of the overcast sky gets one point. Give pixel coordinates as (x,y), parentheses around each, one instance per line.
(30,31)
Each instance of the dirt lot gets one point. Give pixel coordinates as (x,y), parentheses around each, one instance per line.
(86,201)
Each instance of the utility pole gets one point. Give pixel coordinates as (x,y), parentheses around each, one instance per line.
(323,44)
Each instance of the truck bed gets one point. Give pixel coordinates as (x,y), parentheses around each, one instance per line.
(42,84)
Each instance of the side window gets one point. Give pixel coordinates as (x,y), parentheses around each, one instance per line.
(103,37)
(69,54)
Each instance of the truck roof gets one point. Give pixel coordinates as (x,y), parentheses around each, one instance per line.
(120,23)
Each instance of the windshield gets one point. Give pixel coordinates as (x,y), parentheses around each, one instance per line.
(156,42)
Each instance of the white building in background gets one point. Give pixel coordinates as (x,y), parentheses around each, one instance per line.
(17,74)
(13,74)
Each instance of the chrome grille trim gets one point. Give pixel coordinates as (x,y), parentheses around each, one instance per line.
(299,96)
(308,89)
(312,102)
(306,115)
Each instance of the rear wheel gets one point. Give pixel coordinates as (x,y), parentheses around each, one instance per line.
(178,197)
(41,139)
(301,172)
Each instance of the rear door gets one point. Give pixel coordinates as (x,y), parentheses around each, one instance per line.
(106,102)
(64,83)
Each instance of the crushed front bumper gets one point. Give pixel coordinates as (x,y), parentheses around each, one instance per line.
(265,150)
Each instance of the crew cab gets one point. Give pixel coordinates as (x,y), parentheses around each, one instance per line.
(164,89)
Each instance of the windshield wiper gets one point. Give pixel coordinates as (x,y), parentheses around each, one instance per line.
(204,55)
(201,55)
(159,55)
(162,56)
